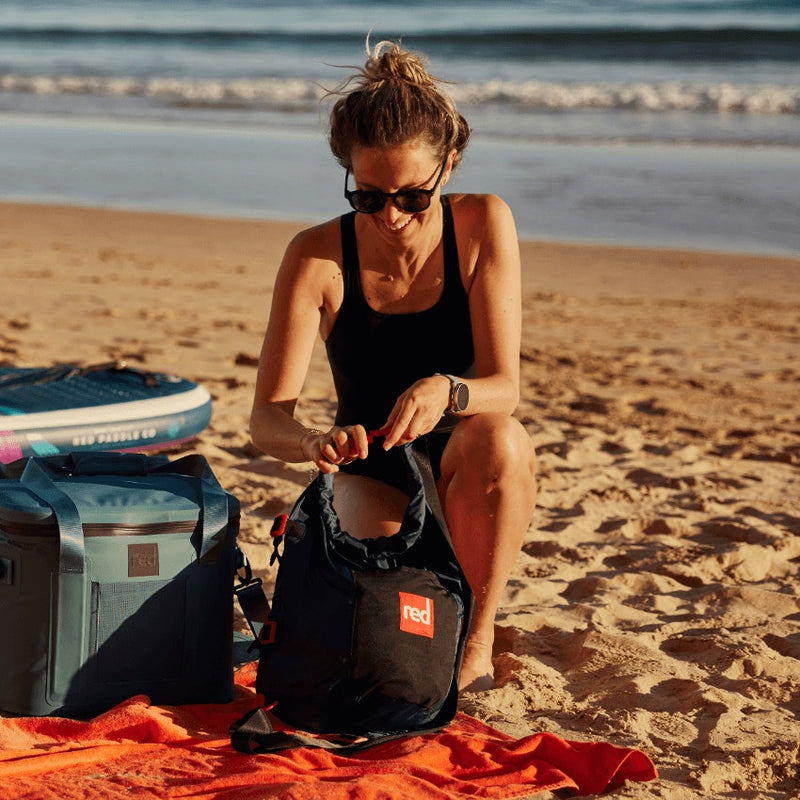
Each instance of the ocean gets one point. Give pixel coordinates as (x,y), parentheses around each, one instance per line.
(656,122)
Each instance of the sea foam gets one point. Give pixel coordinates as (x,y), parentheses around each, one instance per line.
(267,92)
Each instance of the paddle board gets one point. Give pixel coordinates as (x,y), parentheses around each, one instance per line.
(67,408)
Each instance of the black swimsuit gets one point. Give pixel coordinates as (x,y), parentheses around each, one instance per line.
(375,357)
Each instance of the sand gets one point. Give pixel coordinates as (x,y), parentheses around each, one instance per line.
(655,602)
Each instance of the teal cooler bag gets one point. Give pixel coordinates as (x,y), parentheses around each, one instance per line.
(116,577)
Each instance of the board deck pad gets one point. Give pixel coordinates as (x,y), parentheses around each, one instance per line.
(67,408)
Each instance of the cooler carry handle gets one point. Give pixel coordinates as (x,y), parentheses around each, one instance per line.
(68,592)
(215,509)
(71,549)
(214,505)
(105,463)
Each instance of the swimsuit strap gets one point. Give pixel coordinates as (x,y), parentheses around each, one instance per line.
(349,244)
(452,271)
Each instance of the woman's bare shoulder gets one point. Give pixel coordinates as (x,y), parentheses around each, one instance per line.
(319,243)
(482,222)
(310,273)
(480,212)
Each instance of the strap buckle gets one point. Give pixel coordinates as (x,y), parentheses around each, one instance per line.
(254,604)
(267,633)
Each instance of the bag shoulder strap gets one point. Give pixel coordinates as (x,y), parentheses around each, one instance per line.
(255,734)
(419,450)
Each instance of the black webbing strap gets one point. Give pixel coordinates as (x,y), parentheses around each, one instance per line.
(255,734)
(254,604)
(252,599)
(419,449)
(448,710)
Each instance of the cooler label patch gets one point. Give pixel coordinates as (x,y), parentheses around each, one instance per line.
(416,614)
(142,560)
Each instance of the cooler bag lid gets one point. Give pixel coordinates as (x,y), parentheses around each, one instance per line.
(106,500)
(112,493)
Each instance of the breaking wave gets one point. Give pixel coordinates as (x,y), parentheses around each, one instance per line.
(302,94)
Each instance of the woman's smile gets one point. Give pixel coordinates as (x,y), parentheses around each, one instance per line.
(399,226)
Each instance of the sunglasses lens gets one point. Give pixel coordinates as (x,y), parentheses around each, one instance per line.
(412,202)
(367,202)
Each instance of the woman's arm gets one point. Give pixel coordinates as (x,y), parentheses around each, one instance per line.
(490,263)
(495,302)
(294,320)
(307,290)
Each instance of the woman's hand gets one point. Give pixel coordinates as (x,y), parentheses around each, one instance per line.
(417,410)
(336,447)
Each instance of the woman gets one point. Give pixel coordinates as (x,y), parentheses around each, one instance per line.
(417,297)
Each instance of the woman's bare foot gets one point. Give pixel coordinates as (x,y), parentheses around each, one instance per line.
(477,670)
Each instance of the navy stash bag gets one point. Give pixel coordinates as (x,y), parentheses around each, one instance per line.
(116,579)
(365,637)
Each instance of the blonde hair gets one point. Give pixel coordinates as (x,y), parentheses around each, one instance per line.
(395,100)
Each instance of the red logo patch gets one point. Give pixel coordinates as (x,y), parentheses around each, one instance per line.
(416,614)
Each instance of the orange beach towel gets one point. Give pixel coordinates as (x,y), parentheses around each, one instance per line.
(137,750)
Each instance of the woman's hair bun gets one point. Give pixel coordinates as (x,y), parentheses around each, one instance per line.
(387,61)
(391,100)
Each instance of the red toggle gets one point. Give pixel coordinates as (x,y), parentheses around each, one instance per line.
(372,435)
(279,525)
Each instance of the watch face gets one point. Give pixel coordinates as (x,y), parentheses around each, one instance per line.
(461,397)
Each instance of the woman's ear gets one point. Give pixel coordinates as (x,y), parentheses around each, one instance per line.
(451,160)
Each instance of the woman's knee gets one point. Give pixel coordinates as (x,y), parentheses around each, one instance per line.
(496,443)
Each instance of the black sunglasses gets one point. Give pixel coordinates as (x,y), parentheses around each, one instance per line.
(412,201)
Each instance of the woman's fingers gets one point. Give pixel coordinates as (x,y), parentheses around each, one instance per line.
(416,411)
(359,441)
(341,446)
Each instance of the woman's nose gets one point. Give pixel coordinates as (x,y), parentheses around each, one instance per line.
(391,213)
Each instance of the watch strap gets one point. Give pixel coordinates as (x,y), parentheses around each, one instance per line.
(454,383)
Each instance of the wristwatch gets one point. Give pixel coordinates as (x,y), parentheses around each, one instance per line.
(459,394)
